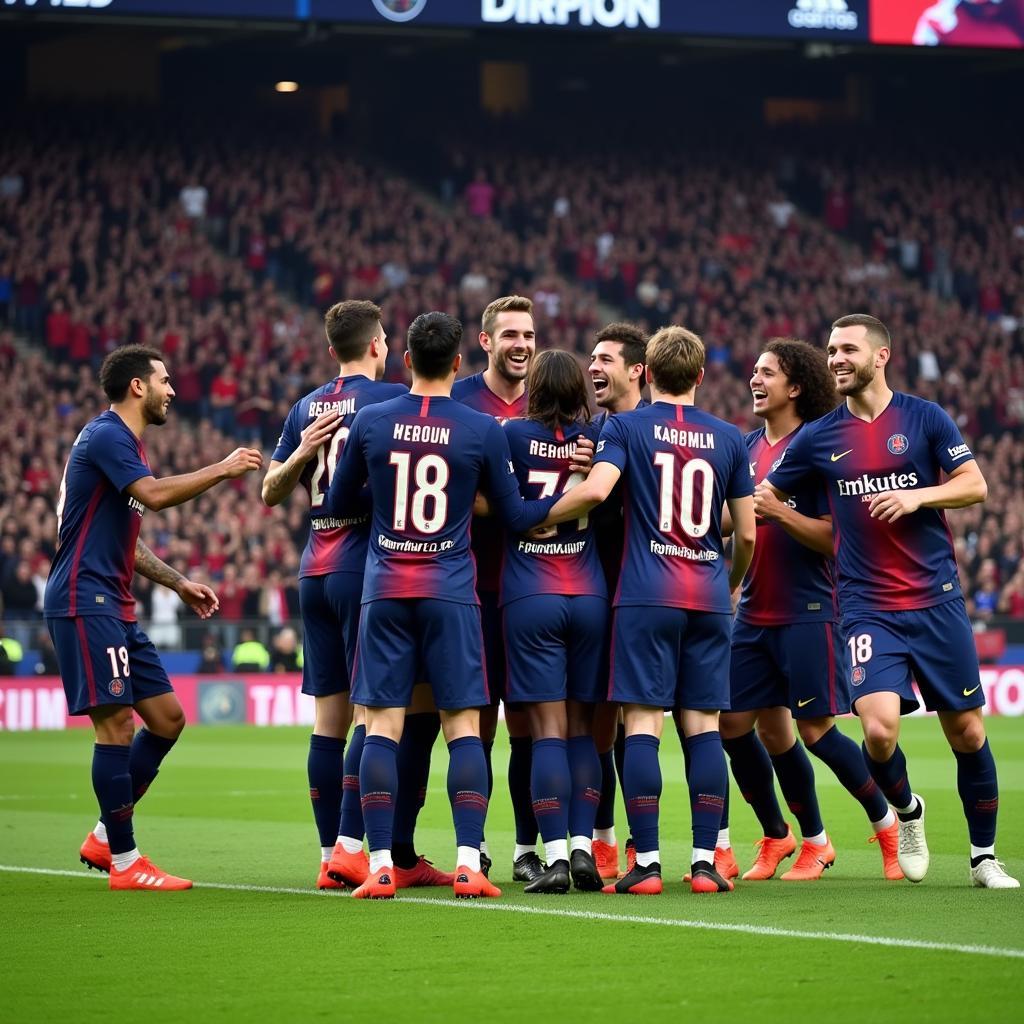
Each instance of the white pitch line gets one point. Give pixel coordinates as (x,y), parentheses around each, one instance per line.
(595,915)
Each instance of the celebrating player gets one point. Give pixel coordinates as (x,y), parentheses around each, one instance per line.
(555,614)
(670,634)
(881,456)
(109,667)
(788,658)
(425,456)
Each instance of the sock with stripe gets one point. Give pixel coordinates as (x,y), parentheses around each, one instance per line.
(846,761)
(551,786)
(752,770)
(585,772)
(892,780)
(112,784)
(796,780)
(414,750)
(605,817)
(378,783)
(467,791)
(979,792)
(324,766)
(641,790)
(707,784)
(351,828)
(520,760)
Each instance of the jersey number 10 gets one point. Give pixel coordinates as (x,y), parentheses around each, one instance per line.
(697,476)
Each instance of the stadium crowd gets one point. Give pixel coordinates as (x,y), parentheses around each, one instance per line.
(224,252)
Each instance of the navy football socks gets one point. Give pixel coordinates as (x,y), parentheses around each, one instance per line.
(752,770)
(641,790)
(551,787)
(585,772)
(891,777)
(519,761)
(979,792)
(378,783)
(846,761)
(606,807)
(796,780)
(619,754)
(351,823)
(324,767)
(467,790)
(707,783)
(112,784)
(146,753)
(414,751)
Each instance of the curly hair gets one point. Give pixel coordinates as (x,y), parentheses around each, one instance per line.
(806,367)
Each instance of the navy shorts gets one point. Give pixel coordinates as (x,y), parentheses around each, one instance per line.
(934,646)
(403,641)
(104,660)
(802,666)
(555,648)
(330,629)
(666,657)
(494,646)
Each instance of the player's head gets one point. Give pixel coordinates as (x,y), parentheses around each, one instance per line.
(508,337)
(675,361)
(137,374)
(858,349)
(617,366)
(792,374)
(557,392)
(354,332)
(433,346)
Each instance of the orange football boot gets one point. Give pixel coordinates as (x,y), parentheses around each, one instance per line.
(468,885)
(324,880)
(144,874)
(348,868)
(606,857)
(888,842)
(95,854)
(812,863)
(639,881)
(630,859)
(725,864)
(423,874)
(771,853)
(379,885)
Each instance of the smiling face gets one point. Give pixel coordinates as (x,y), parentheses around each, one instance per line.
(853,360)
(770,387)
(613,380)
(511,345)
(156,398)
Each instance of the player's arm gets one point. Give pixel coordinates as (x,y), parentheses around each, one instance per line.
(579,500)
(199,597)
(175,490)
(282,477)
(966,486)
(812,532)
(744,532)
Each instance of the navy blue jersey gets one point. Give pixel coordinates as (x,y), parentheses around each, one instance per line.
(565,561)
(882,566)
(97,523)
(787,582)
(679,465)
(335,544)
(425,459)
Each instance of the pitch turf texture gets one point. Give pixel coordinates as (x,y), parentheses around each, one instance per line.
(253,940)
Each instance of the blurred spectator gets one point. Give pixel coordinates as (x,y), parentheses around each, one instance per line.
(249,654)
(11,653)
(46,656)
(165,607)
(286,654)
(211,656)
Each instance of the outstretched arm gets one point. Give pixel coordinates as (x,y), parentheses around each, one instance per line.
(175,490)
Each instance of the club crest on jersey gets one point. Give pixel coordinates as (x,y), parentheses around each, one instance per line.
(859,675)
(115,687)
(898,444)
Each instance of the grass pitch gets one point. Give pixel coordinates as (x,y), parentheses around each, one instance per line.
(230,809)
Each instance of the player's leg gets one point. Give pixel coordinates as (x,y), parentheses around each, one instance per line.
(325,770)
(520,761)
(349,862)
(605,845)
(551,786)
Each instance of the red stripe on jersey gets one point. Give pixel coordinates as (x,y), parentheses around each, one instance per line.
(425,406)
(559,436)
(83,641)
(339,385)
(94,501)
(679,414)
(831,670)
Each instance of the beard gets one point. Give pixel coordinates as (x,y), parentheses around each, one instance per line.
(862,378)
(153,409)
(511,371)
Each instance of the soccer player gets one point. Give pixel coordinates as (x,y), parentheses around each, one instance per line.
(555,615)
(617,374)
(109,667)
(330,590)
(882,455)
(670,633)
(788,656)
(425,457)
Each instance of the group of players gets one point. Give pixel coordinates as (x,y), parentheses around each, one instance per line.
(466,540)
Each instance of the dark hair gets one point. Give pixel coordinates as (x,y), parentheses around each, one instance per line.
(556,390)
(433,342)
(806,367)
(630,337)
(350,327)
(878,333)
(124,365)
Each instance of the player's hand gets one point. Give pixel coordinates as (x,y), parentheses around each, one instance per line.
(892,505)
(199,597)
(316,433)
(582,459)
(241,461)
(767,505)
(734,598)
